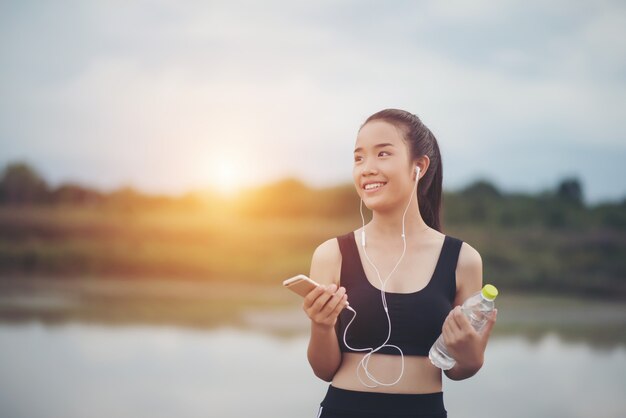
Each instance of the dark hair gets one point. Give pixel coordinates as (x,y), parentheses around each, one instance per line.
(421,141)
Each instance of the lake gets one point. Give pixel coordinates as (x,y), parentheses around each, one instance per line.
(259,368)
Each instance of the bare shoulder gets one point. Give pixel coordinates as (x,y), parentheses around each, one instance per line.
(469,273)
(326,263)
(469,257)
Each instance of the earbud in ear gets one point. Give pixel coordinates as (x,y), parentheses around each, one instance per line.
(417,170)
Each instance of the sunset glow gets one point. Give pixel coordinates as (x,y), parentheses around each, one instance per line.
(226,177)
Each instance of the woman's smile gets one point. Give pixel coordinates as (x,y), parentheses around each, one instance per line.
(373,187)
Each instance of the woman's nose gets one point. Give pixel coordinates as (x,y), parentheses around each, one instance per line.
(368,168)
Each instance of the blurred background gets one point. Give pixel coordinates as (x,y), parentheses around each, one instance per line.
(165,165)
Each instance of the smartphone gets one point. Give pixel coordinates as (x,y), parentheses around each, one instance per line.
(300,284)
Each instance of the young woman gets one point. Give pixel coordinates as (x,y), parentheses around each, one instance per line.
(405,279)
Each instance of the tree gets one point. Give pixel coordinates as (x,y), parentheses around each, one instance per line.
(20,184)
(570,190)
(481,189)
(75,194)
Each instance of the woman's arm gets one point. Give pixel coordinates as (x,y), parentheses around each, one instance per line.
(323,306)
(464,343)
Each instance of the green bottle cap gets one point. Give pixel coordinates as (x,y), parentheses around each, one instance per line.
(490,292)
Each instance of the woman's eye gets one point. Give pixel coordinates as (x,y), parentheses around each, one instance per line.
(357,159)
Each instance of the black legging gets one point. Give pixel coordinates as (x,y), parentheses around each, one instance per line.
(343,403)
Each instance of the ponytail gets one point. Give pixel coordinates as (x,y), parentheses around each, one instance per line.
(429,195)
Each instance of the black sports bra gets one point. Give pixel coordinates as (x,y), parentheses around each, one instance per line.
(416,318)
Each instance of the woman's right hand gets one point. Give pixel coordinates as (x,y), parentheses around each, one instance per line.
(324,303)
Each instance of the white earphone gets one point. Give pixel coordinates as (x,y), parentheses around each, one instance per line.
(365,360)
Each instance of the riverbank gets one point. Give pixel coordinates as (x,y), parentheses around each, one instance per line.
(269,308)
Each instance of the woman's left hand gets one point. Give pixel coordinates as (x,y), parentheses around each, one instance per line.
(465,344)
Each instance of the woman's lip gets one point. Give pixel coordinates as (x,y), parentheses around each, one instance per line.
(374,189)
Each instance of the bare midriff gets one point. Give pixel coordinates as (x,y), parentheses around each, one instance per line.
(419,376)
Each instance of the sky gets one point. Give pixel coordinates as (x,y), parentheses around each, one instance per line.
(172,96)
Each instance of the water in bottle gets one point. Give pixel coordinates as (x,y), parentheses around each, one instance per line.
(477,308)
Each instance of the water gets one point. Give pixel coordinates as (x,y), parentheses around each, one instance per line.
(78,370)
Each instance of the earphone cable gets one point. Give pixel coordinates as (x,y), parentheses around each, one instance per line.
(365,360)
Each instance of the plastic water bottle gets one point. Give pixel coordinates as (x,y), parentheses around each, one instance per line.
(477,308)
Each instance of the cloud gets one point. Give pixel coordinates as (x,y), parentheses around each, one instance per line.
(156,93)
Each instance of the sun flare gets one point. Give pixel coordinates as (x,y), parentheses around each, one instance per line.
(226,177)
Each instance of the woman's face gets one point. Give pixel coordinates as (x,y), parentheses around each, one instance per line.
(381,160)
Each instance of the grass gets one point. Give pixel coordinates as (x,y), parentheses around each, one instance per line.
(214,245)
(191,245)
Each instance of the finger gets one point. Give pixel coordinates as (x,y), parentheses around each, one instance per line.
(445,331)
(312,296)
(326,297)
(321,301)
(454,325)
(449,335)
(334,301)
(316,299)
(460,320)
(491,321)
(340,306)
